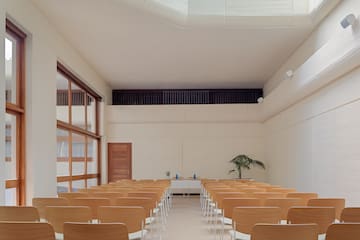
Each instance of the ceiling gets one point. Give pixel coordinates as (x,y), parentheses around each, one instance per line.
(133,47)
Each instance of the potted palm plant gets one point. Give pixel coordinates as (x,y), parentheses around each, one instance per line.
(243,161)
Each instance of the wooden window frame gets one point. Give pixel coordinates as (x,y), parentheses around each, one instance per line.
(72,129)
(18,109)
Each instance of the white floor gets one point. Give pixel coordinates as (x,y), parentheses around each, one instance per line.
(185,221)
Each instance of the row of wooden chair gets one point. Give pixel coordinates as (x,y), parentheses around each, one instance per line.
(72,231)
(342,231)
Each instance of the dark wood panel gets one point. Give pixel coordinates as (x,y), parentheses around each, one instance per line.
(119,161)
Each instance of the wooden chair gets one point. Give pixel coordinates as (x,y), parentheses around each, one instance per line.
(322,216)
(305,196)
(93,203)
(147,203)
(337,203)
(58,215)
(350,214)
(15,213)
(281,190)
(110,195)
(103,231)
(41,203)
(343,231)
(284,204)
(265,195)
(285,232)
(72,195)
(228,205)
(26,231)
(245,218)
(132,217)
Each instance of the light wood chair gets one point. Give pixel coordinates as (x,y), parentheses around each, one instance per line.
(285,232)
(58,215)
(284,204)
(147,203)
(93,203)
(228,205)
(265,195)
(305,196)
(110,195)
(281,190)
(41,203)
(132,217)
(26,231)
(245,218)
(103,231)
(322,216)
(337,203)
(16,213)
(72,195)
(350,214)
(343,231)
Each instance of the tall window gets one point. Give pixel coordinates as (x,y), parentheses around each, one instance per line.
(15,113)
(78,139)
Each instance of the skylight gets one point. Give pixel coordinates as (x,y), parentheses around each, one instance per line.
(241,7)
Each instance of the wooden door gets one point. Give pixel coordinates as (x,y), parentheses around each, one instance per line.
(119,161)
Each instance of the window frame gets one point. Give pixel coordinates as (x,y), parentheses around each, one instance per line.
(72,129)
(18,109)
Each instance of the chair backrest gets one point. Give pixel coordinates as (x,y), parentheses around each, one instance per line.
(350,214)
(41,203)
(72,195)
(15,213)
(26,231)
(228,204)
(305,196)
(284,204)
(103,231)
(132,217)
(58,215)
(110,195)
(281,190)
(147,203)
(265,195)
(337,203)
(152,195)
(322,216)
(285,232)
(220,196)
(93,203)
(245,218)
(343,231)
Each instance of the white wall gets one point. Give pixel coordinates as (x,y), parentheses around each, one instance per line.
(44,48)
(188,138)
(312,145)
(2,104)
(329,27)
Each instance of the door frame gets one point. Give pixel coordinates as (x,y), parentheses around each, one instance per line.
(108,159)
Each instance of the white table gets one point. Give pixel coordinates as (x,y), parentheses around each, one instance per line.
(185,186)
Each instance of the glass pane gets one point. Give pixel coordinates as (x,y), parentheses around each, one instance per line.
(78,106)
(62,98)
(62,162)
(92,156)
(91,114)
(76,185)
(10,197)
(10,146)
(92,182)
(78,154)
(10,69)
(63,187)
